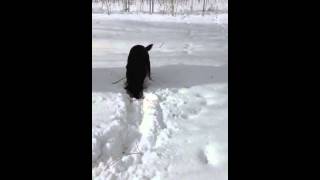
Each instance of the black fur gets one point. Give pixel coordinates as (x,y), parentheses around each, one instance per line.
(138,68)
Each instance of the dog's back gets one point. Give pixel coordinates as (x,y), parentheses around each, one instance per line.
(138,67)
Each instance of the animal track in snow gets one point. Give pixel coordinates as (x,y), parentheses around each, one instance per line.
(132,130)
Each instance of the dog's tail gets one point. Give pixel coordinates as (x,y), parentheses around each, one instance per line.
(148,48)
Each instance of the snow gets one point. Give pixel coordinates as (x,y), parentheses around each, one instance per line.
(180,129)
(174,42)
(194,19)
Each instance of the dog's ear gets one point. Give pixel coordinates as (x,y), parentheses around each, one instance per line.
(148,48)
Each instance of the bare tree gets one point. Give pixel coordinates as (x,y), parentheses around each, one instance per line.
(141,5)
(191,9)
(172,7)
(204,7)
(108,5)
(126,5)
(152,6)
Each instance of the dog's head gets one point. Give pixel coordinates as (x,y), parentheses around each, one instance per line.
(139,54)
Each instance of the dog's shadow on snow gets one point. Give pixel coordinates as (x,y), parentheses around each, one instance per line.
(171,76)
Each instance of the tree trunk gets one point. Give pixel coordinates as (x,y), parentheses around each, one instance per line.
(172,7)
(204,7)
(191,9)
(152,6)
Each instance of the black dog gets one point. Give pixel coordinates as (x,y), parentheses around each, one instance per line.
(138,68)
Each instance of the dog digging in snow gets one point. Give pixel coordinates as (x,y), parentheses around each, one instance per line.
(138,68)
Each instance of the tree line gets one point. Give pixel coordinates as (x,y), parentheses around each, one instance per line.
(172,7)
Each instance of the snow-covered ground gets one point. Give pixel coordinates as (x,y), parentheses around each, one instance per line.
(180,129)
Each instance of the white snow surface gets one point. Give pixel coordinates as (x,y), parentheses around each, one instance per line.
(193,18)
(179,130)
